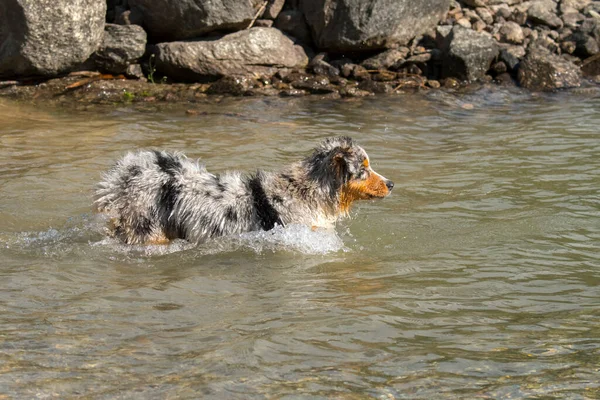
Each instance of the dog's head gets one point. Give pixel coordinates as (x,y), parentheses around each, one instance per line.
(343,167)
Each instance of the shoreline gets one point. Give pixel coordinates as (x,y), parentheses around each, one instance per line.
(94,88)
(126,51)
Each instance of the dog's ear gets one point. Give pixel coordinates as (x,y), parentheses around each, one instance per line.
(340,165)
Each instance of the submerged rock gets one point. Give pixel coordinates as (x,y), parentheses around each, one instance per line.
(469,54)
(256,52)
(541,70)
(121,46)
(184,19)
(356,25)
(44,37)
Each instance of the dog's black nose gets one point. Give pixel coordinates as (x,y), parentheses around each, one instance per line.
(389,184)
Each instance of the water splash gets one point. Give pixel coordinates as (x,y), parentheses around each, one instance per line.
(89,232)
(299,238)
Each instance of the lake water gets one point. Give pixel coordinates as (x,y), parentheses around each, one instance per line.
(479,277)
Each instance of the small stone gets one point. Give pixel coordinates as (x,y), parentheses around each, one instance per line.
(235,86)
(432,83)
(510,32)
(375,87)
(479,26)
(451,83)
(292,93)
(386,59)
(135,71)
(505,79)
(568,46)
(572,19)
(354,92)
(263,23)
(464,22)
(518,17)
(504,13)
(499,68)
(485,15)
(511,56)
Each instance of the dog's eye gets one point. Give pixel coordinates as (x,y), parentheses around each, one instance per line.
(363,174)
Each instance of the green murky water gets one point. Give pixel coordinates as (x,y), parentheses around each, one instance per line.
(478,278)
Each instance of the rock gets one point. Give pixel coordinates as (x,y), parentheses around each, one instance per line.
(386,59)
(235,86)
(354,92)
(128,17)
(511,56)
(464,22)
(135,71)
(510,32)
(568,46)
(263,23)
(316,85)
(45,37)
(166,20)
(469,54)
(585,45)
(544,12)
(293,23)
(519,17)
(485,15)
(273,9)
(479,26)
(577,5)
(121,45)
(256,52)
(572,19)
(357,25)
(541,70)
(375,86)
(321,67)
(432,83)
(591,66)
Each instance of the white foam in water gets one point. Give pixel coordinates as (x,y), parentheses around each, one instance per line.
(299,238)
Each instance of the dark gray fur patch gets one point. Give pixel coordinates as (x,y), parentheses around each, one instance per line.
(167,163)
(267,215)
(231,214)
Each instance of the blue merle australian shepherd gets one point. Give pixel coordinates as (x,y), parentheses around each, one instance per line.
(154,196)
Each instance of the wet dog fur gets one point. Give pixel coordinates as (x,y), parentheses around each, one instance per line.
(155,196)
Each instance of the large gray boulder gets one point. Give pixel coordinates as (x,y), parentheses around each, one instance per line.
(166,20)
(121,46)
(541,70)
(469,54)
(48,37)
(252,52)
(357,25)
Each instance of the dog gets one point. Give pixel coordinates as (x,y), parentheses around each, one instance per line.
(153,197)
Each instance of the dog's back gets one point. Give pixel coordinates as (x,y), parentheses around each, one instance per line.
(152,197)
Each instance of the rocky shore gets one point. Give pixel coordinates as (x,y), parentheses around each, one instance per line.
(186,50)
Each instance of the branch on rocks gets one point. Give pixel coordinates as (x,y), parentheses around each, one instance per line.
(258,13)
(99,77)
